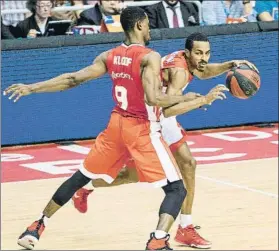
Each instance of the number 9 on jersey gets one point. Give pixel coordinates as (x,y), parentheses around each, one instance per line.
(121,96)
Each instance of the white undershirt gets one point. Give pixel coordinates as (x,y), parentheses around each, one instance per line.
(170,13)
(42,26)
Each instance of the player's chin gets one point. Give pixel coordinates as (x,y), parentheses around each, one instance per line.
(201,67)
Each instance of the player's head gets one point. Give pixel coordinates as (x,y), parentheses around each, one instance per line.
(197,50)
(135,22)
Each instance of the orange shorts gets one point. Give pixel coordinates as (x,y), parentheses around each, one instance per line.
(173,134)
(139,139)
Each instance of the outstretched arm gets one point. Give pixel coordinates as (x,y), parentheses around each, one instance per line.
(196,102)
(178,79)
(62,82)
(214,70)
(152,84)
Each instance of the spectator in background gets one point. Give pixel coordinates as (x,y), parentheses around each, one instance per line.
(95,15)
(226,11)
(35,26)
(13,19)
(91,2)
(172,14)
(6,31)
(267,10)
(68,15)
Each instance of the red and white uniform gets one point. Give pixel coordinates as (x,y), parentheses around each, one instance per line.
(172,131)
(128,92)
(134,127)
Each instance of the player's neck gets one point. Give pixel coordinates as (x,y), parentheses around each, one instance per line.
(190,67)
(129,42)
(134,40)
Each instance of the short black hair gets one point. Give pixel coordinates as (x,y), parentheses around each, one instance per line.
(195,37)
(130,16)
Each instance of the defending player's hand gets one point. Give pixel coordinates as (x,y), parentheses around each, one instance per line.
(17,91)
(191,96)
(216,93)
(237,63)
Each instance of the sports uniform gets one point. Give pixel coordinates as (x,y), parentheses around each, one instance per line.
(134,127)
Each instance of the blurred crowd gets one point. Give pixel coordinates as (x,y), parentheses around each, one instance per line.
(91,17)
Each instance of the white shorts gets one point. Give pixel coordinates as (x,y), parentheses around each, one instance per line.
(172,132)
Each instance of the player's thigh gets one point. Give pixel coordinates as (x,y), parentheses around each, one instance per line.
(125,176)
(176,138)
(154,160)
(185,160)
(183,153)
(128,175)
(173,133)
(107,155)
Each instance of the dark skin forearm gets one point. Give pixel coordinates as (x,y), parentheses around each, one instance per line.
(62,82)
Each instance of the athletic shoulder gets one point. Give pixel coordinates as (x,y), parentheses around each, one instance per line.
(102,57)
(150,57)
(175,59)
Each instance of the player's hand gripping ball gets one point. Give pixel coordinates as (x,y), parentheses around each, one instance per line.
(243,80)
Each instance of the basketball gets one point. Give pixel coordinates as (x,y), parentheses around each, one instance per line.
(243,82)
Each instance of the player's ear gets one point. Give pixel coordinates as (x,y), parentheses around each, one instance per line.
(139,25)
(187,53)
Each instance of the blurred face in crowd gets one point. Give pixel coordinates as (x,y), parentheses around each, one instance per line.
(43,9)
(171,2)
(110,7)
(199,56)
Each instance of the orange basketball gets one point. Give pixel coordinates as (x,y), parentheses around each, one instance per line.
(243,82)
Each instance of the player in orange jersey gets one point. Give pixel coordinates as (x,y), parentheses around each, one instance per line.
(178,70)
(133,130)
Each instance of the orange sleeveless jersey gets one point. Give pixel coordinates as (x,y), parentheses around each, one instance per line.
(124,67)
(173,60)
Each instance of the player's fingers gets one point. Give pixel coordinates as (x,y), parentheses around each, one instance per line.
(222,95)
(219,97)
(13,94)
(253,67)
(220,88)
(237,64)
(10,89)
(18,97)
(223,88)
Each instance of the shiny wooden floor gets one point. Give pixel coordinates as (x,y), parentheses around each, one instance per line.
(236,205)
